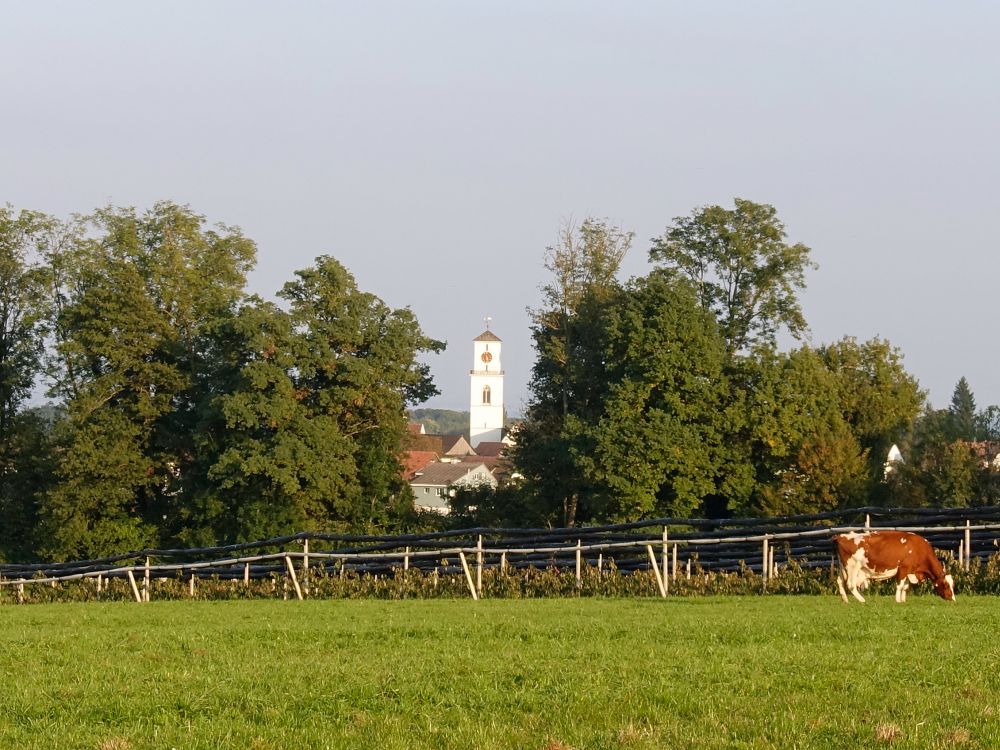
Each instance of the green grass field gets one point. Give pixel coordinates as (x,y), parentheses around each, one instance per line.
(740,672)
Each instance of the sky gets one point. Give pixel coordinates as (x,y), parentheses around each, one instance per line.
(436,148)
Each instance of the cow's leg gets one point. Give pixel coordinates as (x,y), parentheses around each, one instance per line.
(855,577)
(841,575)
(901,590)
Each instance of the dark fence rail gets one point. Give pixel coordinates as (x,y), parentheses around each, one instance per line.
(669,546)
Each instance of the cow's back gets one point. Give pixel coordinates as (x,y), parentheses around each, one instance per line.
(847,545)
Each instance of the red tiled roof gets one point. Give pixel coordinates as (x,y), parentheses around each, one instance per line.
(414,461)
(490,448)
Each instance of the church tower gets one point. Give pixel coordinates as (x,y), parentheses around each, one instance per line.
(486,399)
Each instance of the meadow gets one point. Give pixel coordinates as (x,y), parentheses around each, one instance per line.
(538,674)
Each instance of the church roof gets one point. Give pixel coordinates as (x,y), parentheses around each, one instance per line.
(487,336)
(489,448)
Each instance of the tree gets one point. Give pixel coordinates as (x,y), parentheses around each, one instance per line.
(879,399)
(21,311)
(647,417)
(359,364)
(743,269)
(805,457)
(132,298)
(962,413)
(583,265)
(308,431)
(266,463)
(658,446)
(21,345)
(988,423)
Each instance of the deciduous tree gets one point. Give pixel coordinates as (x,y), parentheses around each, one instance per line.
(743,269)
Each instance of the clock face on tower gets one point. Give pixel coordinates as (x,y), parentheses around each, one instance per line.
(487,357)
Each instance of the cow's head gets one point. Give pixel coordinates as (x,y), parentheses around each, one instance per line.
(945,588)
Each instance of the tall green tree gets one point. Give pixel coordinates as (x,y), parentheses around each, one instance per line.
(132,297)
(879,399)
(308,432)
(744,270)
(21,311)
(22,333)
(962,412)
(363,370)
(583,266)
(659,444)
(805,457)
(988,423)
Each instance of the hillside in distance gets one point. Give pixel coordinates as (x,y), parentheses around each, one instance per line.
(442,421)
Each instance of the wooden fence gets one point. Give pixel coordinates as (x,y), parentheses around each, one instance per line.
(670,547)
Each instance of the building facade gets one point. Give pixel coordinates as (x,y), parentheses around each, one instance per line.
(486,412)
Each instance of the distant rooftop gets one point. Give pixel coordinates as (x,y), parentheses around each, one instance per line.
(487,335)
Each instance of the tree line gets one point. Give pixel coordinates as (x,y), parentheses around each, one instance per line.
(183,411)
(667,395)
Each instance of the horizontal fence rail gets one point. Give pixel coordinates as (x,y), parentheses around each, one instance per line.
(667,546)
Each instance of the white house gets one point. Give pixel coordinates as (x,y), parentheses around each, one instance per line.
(432,483)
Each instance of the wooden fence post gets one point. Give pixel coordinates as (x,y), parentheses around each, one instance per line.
(246,574)
(406,559)
(600,563)
(135,589)
(770,564)
(656,572)
(503,563)
(868,521)
(145,582)
(675,562)
(291,574)
(191,585)
(968,543)
(468,575)
(305,565)
(664,556)
(479,566)
(579,578)
(763,564)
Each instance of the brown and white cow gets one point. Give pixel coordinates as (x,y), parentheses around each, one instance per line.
(878,555)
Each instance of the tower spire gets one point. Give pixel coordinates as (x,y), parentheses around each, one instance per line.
(486,414)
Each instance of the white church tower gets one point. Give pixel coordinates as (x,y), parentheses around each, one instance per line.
(486,399)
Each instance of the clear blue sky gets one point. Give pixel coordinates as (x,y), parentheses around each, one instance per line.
(435,147)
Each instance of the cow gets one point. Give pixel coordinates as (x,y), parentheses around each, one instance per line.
(879,555)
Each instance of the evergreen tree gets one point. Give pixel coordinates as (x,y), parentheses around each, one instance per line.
(962,413)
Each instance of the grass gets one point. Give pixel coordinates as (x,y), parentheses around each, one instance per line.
(557,674)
